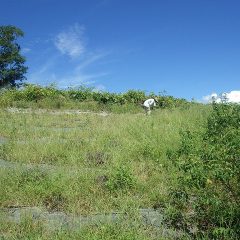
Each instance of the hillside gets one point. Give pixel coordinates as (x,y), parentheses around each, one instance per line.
(85,163)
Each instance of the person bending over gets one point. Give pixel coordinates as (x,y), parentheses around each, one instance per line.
(148,104)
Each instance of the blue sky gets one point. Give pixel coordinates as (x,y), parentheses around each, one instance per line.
(188,48)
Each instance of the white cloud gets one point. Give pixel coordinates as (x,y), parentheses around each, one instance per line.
(79,79)
(72,77)
(25,50)
(92,58)
(209,98)
(231,97)
(71,41)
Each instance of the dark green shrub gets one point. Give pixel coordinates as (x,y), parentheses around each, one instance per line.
(108,98)
(135,96)
(33,92)
(80,94)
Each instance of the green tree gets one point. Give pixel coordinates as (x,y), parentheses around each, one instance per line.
(12,67)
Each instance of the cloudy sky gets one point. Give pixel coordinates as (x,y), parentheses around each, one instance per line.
(188,48)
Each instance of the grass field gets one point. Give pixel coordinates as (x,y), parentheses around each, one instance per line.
(88,163)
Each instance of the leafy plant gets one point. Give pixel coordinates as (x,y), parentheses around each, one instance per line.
(121,179)
(210,174)
(52,97)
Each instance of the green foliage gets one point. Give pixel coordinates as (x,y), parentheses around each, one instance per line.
(80,94)
(51,97)
(121,179)
(67,178)
(33,92)
(29,229)
(171,102)
(134,96)
(12,67)
(210,174)
(107,98)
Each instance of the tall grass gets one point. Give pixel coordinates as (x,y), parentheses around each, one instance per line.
(94,163)
(94,145)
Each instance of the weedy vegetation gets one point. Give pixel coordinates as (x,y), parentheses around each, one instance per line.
(183,159)
(83,98)
(207,196)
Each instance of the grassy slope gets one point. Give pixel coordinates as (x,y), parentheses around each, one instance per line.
(83,147)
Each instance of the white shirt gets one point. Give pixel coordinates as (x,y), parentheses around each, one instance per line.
(149,103)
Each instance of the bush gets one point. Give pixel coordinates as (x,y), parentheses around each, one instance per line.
(33,92)
(135,96)
(80,94)
(43,96)
(209,163)
(121,179)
